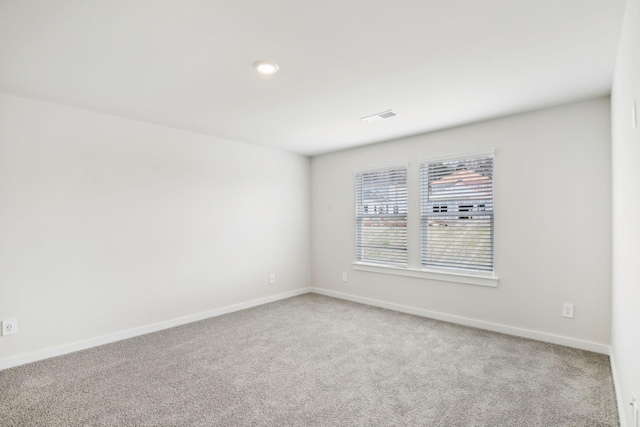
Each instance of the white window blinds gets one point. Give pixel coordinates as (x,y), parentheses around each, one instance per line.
(457,214)
(381,216)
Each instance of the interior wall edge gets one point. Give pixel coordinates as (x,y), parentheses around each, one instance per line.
(617,389)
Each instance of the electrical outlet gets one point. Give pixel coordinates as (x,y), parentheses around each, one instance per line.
(9,327)
(272,278)
(344,276)
(567,310)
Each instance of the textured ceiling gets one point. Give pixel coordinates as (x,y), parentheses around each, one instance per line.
(188,63)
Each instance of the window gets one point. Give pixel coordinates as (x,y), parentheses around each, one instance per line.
(381,216)
(457,214)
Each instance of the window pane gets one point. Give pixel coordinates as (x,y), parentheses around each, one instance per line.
(381,216)
(457,214)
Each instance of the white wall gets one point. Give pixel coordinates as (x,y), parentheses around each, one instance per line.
(552,221)
(625,335)
(108,224)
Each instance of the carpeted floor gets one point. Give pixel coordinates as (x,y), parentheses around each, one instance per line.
(314,361)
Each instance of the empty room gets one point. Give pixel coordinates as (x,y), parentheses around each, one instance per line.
(285,213)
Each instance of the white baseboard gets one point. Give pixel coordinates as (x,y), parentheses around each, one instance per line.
(510,330)
(22,359)
(130,333)
(616,385)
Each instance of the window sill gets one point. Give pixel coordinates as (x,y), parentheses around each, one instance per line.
(446,276)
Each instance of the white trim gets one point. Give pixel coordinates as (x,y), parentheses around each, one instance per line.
(616,386)
(22,359)
(461,156)
(130,333)
(504,329)
(445,276)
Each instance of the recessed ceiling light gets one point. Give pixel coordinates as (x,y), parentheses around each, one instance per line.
(266,67)
(384,115)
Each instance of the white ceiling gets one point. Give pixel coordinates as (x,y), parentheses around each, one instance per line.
(188,63)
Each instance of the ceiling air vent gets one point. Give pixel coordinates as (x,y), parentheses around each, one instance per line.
(379,116)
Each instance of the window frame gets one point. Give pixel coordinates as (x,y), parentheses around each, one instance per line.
(454,207)
(414,268)
(360,216)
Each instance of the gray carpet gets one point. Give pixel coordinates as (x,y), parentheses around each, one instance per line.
(314,361)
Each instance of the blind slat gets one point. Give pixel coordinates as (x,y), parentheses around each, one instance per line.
(381,216)
(457,214)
